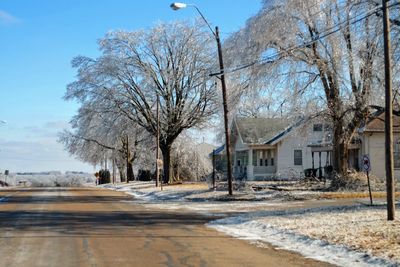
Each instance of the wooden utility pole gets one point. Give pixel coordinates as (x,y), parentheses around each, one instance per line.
(113,170)
(176,6)
(225,104)
(388,115)
(158,142)
(213,171)
(127,159)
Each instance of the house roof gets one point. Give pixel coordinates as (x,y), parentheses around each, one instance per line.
(260,130)
(283,133)
(217,151)
(377,124)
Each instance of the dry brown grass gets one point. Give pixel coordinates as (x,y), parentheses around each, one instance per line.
(188,186)
(362,229)
(339,195)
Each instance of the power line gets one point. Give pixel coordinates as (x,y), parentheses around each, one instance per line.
(327,32)
(337,27)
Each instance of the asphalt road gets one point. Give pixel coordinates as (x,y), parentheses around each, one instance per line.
(94,227)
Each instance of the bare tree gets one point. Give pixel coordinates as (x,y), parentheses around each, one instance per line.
(171,60)
(98,134)
(189,162)
(323,52)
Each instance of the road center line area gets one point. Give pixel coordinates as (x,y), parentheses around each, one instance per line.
(97,227)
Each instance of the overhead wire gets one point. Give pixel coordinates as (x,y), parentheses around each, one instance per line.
(331,30)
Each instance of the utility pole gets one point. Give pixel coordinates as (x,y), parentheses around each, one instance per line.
(213,171)
(127,159)
(224,100)
(388,116)
(177,6)
(157,141)
(113,170)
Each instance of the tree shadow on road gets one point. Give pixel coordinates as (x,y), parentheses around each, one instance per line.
(86,223)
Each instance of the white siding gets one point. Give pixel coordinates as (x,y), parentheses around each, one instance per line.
(239,145)
(285,159)
(374,146)
(299,139)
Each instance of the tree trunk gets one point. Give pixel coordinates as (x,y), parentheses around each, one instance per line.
(166,152)
(178,174)
(343,158)
(340,149)
(122,175)
(129,172)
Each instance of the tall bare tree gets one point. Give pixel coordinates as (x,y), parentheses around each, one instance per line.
(323,51)
(171,60)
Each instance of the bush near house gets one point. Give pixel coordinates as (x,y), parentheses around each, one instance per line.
(144,175)
(104,177)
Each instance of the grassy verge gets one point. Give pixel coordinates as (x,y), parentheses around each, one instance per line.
(336,195)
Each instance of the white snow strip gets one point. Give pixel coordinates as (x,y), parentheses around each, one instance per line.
(255,231)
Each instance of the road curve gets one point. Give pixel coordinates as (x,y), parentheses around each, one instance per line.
(95,227)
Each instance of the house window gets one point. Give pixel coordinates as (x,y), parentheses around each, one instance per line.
(272,161)
(298,157)
(317,127)
(327,127)
(238,162)
(261,162)
(396,154)
(266,162)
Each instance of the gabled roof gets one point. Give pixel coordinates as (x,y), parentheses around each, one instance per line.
(260,130)
(283,133)
(217,151)
(377,123)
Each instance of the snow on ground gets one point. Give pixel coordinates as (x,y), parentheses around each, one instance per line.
(351,235)
(200,192)
(45,180)
(199,198)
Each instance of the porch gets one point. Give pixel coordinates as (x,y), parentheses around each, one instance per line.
(257,162)
(322,159)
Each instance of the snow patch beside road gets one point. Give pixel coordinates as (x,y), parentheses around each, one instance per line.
(291,232)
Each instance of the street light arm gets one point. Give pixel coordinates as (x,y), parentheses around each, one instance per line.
(177,5)
(204,18)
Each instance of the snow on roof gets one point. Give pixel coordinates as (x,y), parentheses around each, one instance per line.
(260,130)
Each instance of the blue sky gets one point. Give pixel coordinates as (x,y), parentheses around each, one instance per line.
(39,38)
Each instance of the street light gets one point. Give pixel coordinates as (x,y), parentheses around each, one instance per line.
(177,6)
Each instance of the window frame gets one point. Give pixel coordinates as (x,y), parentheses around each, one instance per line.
(318,127)
(298,160)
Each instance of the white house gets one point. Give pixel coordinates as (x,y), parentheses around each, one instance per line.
(275,148)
